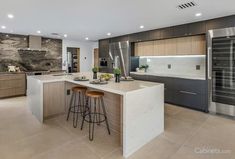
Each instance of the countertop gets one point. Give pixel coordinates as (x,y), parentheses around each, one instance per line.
(7,73)
(195,77)
(119,88)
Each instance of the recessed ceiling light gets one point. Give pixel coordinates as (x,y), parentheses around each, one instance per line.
(65,35)
(87,38)
(39,32)
(3,27)
(198,14)
(108,34)
(141,27)
(11,16)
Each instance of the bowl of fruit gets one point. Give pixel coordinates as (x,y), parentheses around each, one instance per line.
(106,76)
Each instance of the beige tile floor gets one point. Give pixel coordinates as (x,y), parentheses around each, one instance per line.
(188,135)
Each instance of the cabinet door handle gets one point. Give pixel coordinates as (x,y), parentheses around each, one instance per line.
(186,92)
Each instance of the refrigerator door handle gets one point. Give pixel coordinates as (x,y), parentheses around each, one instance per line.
(209,69)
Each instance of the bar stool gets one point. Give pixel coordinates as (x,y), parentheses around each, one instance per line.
(93,114)
(77,106)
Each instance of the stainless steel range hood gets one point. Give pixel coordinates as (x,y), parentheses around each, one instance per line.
(35,44)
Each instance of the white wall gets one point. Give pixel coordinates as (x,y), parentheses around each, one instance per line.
(86,53)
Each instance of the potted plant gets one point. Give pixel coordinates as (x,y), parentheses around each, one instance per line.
(145,67)
(117,73)
(95,70)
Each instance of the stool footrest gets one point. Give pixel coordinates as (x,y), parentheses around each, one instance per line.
(92,117)
(72,109)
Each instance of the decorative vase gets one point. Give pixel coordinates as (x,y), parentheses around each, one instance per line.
(94,75)
(117,78)
(145,70)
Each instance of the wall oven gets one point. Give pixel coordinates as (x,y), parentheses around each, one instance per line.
(221,71)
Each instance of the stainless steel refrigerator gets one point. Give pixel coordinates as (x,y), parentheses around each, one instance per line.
(221,71)
(119,55)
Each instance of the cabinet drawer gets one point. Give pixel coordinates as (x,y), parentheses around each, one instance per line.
(193,86)
(190,100)
(11,76)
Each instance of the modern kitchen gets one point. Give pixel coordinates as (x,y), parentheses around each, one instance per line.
(104,87)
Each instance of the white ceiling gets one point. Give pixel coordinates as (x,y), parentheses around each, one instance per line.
(95,18)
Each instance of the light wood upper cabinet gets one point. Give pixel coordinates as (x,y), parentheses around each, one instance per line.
(170,47)
(198,45)
(159,48)
(144,48)
(184,46)
(192,45)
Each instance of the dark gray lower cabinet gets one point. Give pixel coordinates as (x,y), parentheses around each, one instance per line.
(190,100)
(189,93)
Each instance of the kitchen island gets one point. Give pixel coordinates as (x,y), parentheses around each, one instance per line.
(135,109)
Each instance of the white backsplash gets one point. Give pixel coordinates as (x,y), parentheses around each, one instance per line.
(180,65)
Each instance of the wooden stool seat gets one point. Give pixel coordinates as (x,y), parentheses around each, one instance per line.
(94,94)
(79,89)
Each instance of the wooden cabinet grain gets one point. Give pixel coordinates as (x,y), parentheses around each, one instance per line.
(144,48)
(53,99)
(223,22)
(159,48)
(184,46)
(12,85)
(197,28)
(170,47)
(190,45)
(167,33)
(138,37)
(155,34)
(198,45)
(180,30)
(103,48)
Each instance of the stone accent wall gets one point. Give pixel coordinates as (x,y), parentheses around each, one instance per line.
(10,54)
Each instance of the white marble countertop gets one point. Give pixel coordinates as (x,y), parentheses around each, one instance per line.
(119,88)
(196,77)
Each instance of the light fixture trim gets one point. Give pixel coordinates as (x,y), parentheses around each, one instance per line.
(142,27)
(65,35)
(39,32)
(109,34)
(86,38)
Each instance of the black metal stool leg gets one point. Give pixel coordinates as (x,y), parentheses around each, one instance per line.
(75,114)
(86,109)
(106,120)
(79,109)
(90,122)
(70,106)
(98,112)
(91,137)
